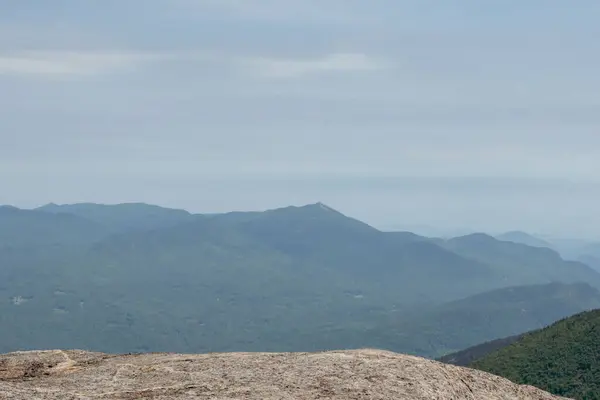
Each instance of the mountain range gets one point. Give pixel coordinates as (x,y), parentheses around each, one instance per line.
(137,277)
(587,252)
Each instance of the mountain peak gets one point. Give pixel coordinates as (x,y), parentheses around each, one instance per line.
(312,208)
(51,207)
(321,206)
(475,238)
(312,222)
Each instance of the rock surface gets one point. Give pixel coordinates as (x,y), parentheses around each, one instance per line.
(360,374)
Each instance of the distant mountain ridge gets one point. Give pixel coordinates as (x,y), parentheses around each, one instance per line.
(584,251)
(521,264)
(138,277)
(122,217)
(524,238)
(24,228)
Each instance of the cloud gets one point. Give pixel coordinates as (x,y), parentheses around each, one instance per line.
(331,11)
(293,68)
(72,63)
(84,63)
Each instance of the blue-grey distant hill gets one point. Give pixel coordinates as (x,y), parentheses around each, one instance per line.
(122,217)
(524,238)
(136,277)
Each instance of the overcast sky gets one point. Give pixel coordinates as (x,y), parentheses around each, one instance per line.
(469,114)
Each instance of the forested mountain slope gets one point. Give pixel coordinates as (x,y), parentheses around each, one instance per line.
(487,316)
(127,281)
(563,358)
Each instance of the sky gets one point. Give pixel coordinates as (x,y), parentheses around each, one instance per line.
(447,114)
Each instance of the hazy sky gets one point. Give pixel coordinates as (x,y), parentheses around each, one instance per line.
(465,113)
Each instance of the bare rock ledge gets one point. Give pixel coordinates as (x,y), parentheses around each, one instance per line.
(360,374)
